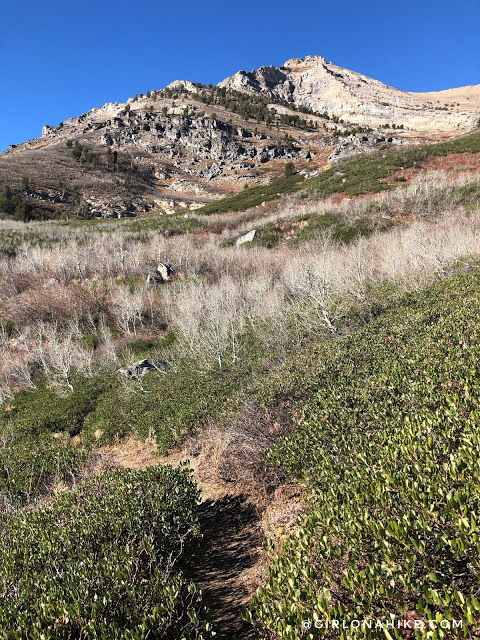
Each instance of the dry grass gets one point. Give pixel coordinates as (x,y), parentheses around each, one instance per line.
(65,282)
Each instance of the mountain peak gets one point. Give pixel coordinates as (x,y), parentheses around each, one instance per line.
(324,87)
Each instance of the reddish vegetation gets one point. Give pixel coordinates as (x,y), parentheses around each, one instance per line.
(456,163)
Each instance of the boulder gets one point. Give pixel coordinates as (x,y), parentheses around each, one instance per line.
(161,274)
(47,130)
(248,237)
(140,368)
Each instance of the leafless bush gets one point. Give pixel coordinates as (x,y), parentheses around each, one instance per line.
(210,320)
(237,453)
(77,281)
(57,304)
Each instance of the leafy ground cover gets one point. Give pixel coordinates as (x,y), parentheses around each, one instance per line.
(101,561)
(387,442)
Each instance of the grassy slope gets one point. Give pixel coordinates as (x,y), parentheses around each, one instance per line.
(340,228)
(353,176)
(254,195)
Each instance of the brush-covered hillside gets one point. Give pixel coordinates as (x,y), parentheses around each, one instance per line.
(250,421)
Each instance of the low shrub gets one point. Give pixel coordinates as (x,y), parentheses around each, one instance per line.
(32,465)
(387,442)
(102,562)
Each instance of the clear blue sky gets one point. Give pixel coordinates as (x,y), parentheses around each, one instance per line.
(59,59)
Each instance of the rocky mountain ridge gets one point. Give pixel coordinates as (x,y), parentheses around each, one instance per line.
(314,83)
(186,145)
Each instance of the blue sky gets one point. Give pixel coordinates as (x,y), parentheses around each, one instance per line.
(59,59)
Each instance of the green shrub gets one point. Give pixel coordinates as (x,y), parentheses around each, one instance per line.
(29,466)
(141,348)
(166,407)
(267,236)
(254,195)
(7,326)
(91,341)
(101,562)
(43,410)
(387,443)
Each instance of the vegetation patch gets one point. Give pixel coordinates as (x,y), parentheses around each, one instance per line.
(174,224)
(312,226)
(19,208)
(363,173)
(102,561)
(38,428)
(387,442)
(253,196)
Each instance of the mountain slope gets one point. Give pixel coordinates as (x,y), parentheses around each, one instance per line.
(162,152)
(324,87)
(187,145)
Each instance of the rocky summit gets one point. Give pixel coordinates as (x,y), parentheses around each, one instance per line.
(186,145)
(319,85)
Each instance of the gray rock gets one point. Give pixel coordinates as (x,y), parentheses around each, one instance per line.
(140,368)
(161,274)
(106,139)
(248,237)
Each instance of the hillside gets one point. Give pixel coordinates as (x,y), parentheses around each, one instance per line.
(239,376)
(187,145)
(242,346)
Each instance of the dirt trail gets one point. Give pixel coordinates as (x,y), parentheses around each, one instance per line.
(232,536)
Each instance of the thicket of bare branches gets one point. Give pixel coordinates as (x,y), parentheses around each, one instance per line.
(64,283)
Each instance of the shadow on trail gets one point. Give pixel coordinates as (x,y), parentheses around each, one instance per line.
(231,536)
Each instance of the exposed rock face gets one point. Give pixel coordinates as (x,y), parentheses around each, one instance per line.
(140,368)
(322,86)
(47,130)
(358,143)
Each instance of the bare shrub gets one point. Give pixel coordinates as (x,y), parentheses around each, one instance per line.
(58,304)
(79,280)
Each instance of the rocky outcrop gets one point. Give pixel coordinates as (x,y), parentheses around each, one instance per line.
(359,143)
(139,369)
(319,85)
(47,130)
(163,273)
(247,237)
